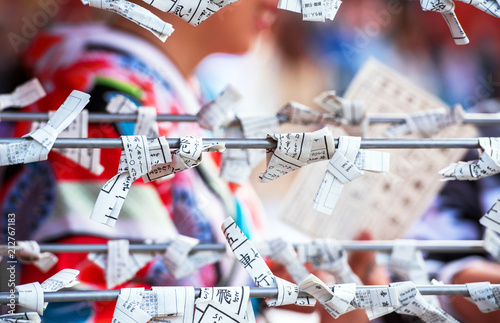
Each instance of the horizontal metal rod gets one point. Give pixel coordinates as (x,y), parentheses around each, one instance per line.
(482,119)
(255,292)
(432,246)
(243,143)
(470,118)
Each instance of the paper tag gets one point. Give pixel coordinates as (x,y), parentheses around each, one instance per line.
(29,251)
(146,124)
(483,295)
(447,10)
(23,95)
(138,157)
(44,138)
(335,303)
(290,5)
(111,198)
(192,11)
(407,262)
(117,263)
(295,150)
(254,264)
(175,257)
(187,156)
(137,14)
(27,317)
(351,111)
(312,10)
(492,243)
(214,114)
(227,302)
(487,165)
(283,253)
(128,307)
(297,113)
(66,278)
(331,7)
(120,104)
(31,296)
(176,303)
(491,7)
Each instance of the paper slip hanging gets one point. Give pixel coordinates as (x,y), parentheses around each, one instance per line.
(491,219)
(136,160)
(137,14)
(128,308)
(237,164)
(192,11)
(145,125)
(254,264)
(487,298)
(187,156)
(328,255)
(447,10)
(216,113)
(347,164)
(23,95)
(29,252)
(335,303)
(174,303)
(283,253)
(407,262)
(181,264)
(119,264)
(487,165)
(377,302)
(312,10)
(491,7)
(414,304)
(31,295)
(492,244)
(224,304)
(28,317)
(44,138)
(295,150)
(427,123)
(297,113)
(88,158)
(352,111)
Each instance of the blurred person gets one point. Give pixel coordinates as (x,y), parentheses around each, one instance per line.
(52,199)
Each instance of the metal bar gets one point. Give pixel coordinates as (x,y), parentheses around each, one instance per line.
(470,118)
(433,246)
(255,292)
(242,143)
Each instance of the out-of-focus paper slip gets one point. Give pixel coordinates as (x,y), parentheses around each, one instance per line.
(386,204)
(23,95)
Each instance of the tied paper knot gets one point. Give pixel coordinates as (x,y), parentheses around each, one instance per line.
(237,164)
(193,12)
(414,304)
(294,150)
(488,163)
(297,113)
(31,295)
(427,123)
(329,255)
(312,10)
(347,164)
(227,304)
(44,138)
(180,263)
(407,262)
(145,125)
(175,304)
(119,264)
(486,298)
(216,113)
(23,95)
(256,267)
(29,252)
(284,253)
(143,17)
(335,303)
(128,307)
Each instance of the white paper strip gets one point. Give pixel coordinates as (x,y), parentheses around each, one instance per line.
(447,10)
(216,113)
(23,95)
